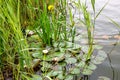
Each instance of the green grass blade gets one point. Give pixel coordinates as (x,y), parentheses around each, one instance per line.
(101,9)
(93,4)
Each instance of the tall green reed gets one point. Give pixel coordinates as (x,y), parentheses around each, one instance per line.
(14,41)
(51,24)
(89,21)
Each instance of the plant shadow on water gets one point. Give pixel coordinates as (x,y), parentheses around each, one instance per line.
(37,43)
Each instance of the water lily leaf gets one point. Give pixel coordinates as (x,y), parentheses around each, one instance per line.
(37,55)
(75,71)
(49,58)
(74,51)
(32,44)
(58,54)
(62,44)
(67,55)
(36,77)
(55,44)
(62,64)
(61,77)
(73,45)
(100,57)
(69,44)
(57,68)
(81,64)
(69,77)
(85,49)
(76,46)
(102,54)
(77,38)
(71,60)
(55,73)
(92,66)
(96,61)
(62,50)
(49,73)
(47,78)
(46,64)
(87,72)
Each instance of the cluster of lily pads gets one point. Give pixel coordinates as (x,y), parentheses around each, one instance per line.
(39,40)
(64,60)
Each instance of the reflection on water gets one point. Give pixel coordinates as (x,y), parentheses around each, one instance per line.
(111,66)
(103,25)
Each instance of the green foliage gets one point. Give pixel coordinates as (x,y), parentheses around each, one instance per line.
(93,4)
(50,49)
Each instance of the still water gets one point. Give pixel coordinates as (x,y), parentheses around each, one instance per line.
(111,66)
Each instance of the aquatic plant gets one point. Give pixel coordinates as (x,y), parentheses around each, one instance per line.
(38,40)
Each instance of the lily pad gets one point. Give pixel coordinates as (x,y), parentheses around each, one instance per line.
(99,58)
(71,60)
(36,77)
(37,55)
(102,54)
(96,61)
(58,54)
(61,77)
(67,55)
(61,63)
(55,73)
(87,72)
(81,64)
(92,66)
(46,64)
(75,71)
(69,77)
(85,49)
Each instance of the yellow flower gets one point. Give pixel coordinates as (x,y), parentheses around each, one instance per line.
(50,7)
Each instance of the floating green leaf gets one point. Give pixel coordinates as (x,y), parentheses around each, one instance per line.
(62,63)
(67,55)
(102,54)
(75,71)
(69,77)
(92,66)
(58,54)
(100,57)
(81,64)
(87,72)
(71,60)
(55,73)
(61,77)
(37,55)
(46,64)
(85,49)
(36,77)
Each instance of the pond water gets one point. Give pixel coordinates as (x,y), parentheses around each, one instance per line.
(111,66)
